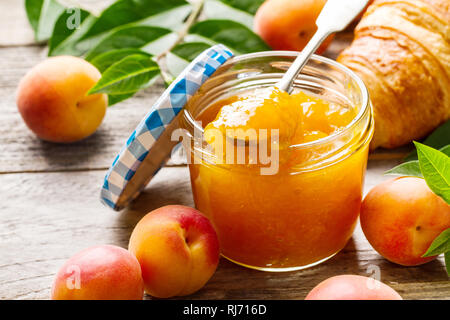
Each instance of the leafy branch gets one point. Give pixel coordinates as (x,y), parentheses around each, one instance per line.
(134,42)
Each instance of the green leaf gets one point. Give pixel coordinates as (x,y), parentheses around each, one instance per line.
(435,167)
(127,76)
(447,262)
(68,22)
(190,50)
(183,54)
(440,245)
(105,60)
(439,138)
(42,15)
(128,37)
(95,29)
(446,150)
(250,6)
(234,35)
(71,45)
(127,11)
(171,19)
(412,168)
(33,9)
(113,99)
(241,11)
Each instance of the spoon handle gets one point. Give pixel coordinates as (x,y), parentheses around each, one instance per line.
(285,84)
(334,17)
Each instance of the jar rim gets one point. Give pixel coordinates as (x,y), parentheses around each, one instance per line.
(365,103)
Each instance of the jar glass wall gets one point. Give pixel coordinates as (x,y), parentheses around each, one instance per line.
(305,212)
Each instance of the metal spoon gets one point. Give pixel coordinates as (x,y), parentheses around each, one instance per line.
(335,16)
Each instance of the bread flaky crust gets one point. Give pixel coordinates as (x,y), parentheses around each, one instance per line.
(401,51)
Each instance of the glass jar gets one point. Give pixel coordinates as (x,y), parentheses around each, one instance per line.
(304,213)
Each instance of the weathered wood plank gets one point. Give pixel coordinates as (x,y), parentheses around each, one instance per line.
(47,217)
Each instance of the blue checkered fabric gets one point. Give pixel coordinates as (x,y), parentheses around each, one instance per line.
(157,119)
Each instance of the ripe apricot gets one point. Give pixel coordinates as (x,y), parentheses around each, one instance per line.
(52,99)
(99,273)
(178,250)
(352,287)
(401,218)
(289,24)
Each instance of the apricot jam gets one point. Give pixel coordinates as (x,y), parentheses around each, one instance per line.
(303,212)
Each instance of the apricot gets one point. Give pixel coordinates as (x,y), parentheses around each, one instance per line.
(352,287)
(52,99)
(288,24)
(178,250)
(401,218)
(99,273)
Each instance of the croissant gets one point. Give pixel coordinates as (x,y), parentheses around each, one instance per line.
(401,50)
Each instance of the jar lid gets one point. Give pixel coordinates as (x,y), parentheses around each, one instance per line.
(150,145)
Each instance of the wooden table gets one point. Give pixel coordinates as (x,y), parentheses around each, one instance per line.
(50,206)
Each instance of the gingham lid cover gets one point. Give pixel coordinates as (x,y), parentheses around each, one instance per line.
(149,145)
